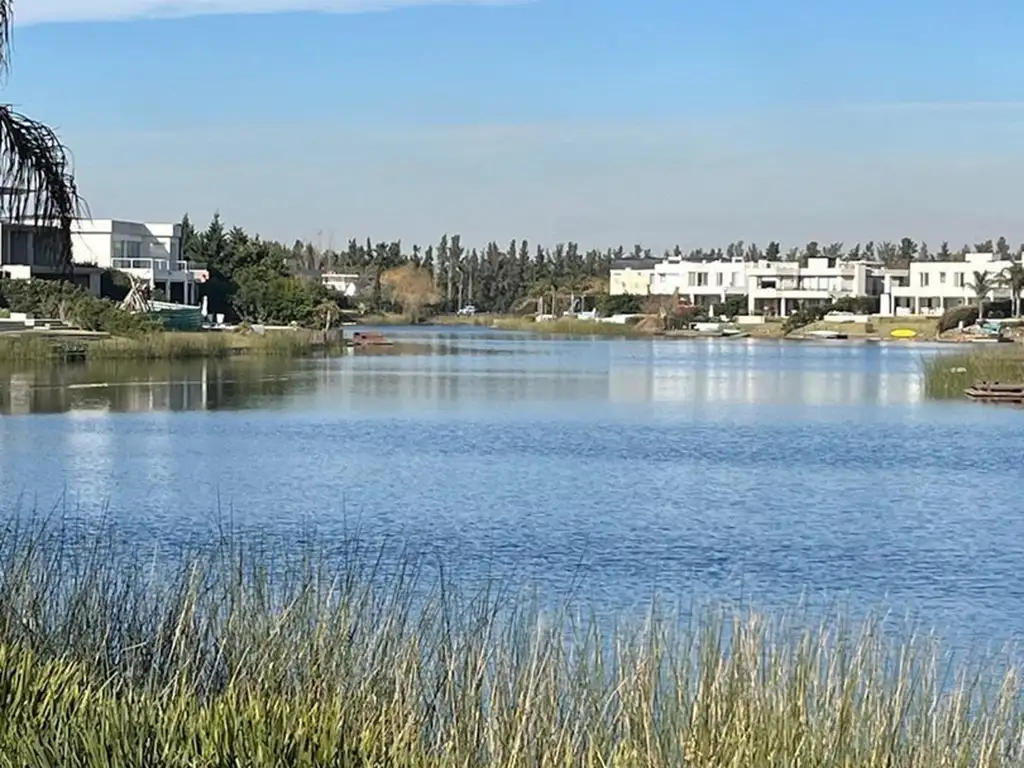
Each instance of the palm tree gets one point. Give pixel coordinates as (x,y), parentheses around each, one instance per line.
(36,178)
(982,285)
(1013,278)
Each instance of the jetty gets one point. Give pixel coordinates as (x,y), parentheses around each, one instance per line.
(995,392)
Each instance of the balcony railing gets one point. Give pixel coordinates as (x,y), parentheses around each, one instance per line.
(155,265)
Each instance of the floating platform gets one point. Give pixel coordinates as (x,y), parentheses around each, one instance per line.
(994,392)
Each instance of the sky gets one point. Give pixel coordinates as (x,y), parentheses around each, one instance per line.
(602,122)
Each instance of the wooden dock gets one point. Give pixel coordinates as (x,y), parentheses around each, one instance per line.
(995,392)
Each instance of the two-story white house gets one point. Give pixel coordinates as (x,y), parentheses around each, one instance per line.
(702,283)
(151,252)
(631,277)
(932,287)
(780,288)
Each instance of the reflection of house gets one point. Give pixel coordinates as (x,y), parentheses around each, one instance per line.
(150,252)
(931,287)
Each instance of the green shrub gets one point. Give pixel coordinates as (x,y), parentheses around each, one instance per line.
(623,304)
(951,318)
(72,304)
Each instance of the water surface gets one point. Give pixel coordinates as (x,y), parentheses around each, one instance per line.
(721,469)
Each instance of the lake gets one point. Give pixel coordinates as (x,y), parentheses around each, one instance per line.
(712,469)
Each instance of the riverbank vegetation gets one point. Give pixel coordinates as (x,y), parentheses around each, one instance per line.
(569,326)
(239,655)
(946,376)
(41,348)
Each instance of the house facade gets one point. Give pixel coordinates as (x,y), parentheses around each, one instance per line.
(702,283)
(932,287)
(28,251)
(147,251)
(781,288)
(775,288)
(150,252)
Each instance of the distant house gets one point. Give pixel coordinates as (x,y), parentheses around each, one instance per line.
(782,287)
(345,283)
(932,287)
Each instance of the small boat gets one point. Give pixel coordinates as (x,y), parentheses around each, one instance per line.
(903,333)
(823,334)
(369,339)
(734,333)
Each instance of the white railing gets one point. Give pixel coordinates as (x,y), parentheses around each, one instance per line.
(155,265)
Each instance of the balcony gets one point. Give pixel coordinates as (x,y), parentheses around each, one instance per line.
(150,266)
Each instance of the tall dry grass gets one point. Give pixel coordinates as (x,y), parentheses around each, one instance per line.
(162,346)
(241,656)
(946,376)
(570,327)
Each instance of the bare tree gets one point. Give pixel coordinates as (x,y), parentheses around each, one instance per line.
(412,287)
(36,177)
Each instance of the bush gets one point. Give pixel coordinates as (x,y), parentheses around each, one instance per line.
(857,305)
(71,304)
(968,315)
(623,304)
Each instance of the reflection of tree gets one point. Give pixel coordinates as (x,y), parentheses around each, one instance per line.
(157,386)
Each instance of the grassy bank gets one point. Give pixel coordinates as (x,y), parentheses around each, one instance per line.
(948,375)
(159,346)
(569,327)
(231,658)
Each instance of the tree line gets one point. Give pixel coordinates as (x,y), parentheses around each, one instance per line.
(264,280)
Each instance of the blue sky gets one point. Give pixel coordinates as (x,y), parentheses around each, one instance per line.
(604,122)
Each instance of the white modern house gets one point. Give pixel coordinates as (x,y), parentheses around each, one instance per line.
(632,277)
(150,252)
(702,283)
(781,288)
(932,287)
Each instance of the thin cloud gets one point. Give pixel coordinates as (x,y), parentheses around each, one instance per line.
(45,11)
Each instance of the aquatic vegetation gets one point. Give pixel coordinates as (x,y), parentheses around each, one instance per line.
(946,376)
(160,346)
(237,655)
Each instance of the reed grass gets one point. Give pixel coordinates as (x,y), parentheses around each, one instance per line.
(239,656)
(161,346)
(570,327)
(20,348)
(946,376)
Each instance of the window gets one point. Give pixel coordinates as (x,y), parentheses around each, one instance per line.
(719,279)
(942,278)
(958,279)
(692,279)
(924,279)
(128,249)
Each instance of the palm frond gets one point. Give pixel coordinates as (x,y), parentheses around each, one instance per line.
(36,176)
(5,33)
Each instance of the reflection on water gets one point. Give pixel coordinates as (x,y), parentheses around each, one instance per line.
(707,468)
(448,369)
(145,387)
